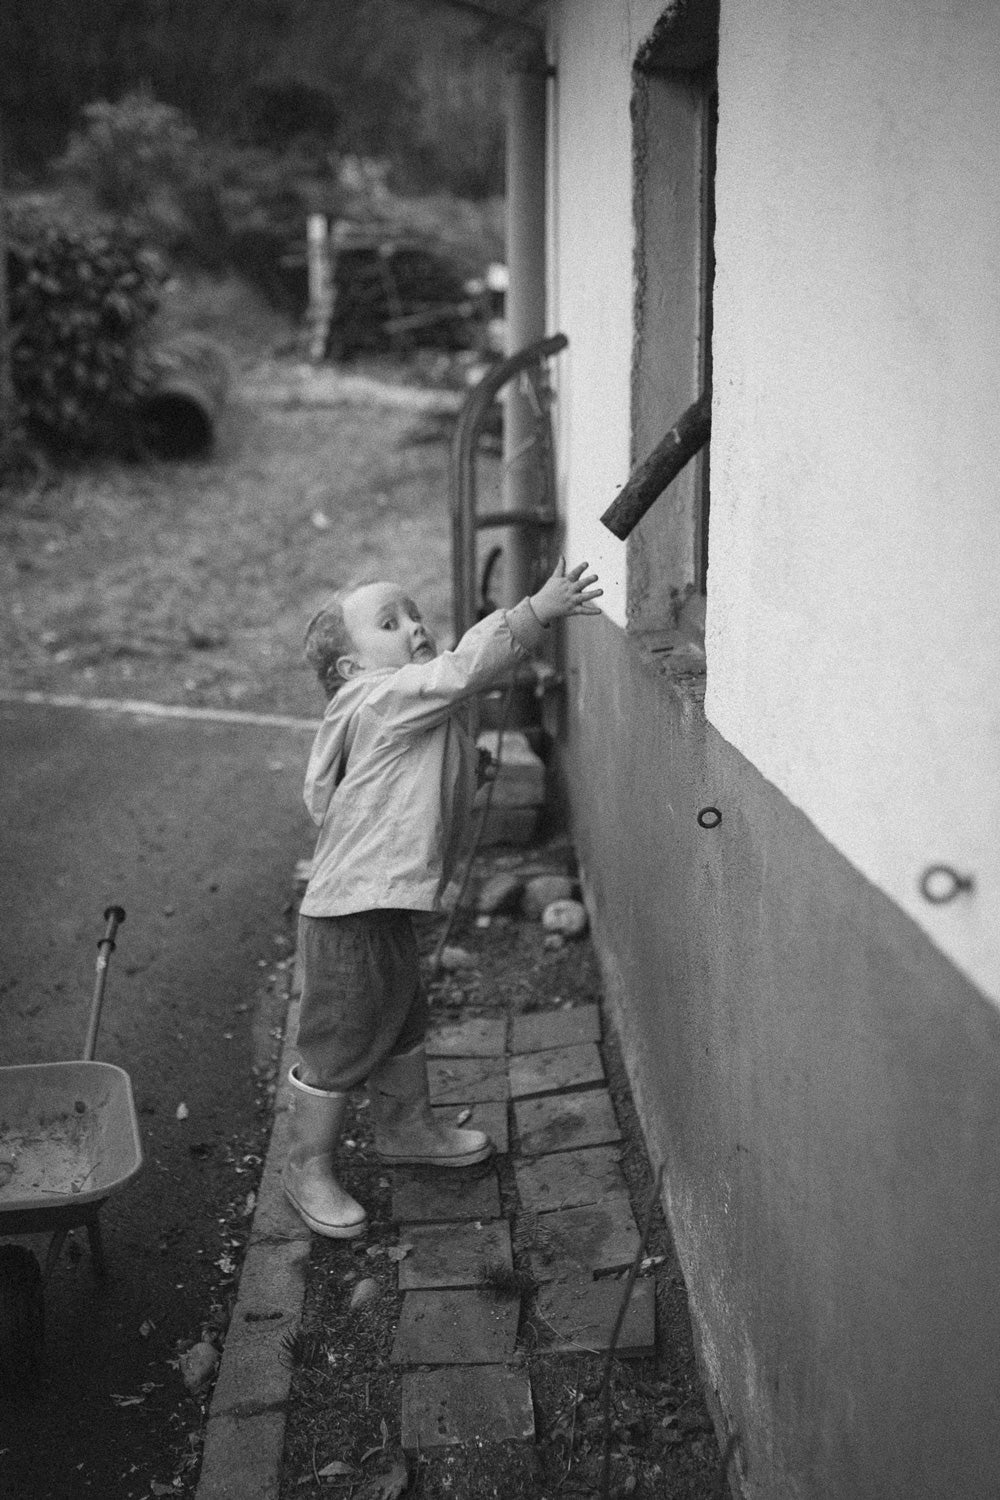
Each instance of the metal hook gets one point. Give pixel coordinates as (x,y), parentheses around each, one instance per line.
(709,817)
(940,883)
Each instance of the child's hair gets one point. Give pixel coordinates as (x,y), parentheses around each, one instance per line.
(327,640)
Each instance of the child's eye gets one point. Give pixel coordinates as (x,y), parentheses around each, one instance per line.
(388,624)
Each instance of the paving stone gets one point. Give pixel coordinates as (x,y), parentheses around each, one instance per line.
(562,1122)
(438,1196)
(575,1242)
(556,1068)
(569,1179)
(467,1080)
(446,1255)
(555,1028)
(455,1328)
(477,1037)
(477,1403)
(580,1316)
(491,1117)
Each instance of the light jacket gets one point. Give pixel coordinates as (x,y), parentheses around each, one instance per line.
(391,776)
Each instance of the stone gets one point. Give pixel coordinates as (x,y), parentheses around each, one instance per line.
(435,1196)
(565,918)
(557,1068)
(520,773)
(477,1037)
(579,1317)
(569,1179)
(455,1328)
(555,1028)
(471,1404)
(583,1242)
(452,1255)
(488,1116)
(565,1122)
(467,1080)
(453,960)
(500,893)
(542,890)
(553,941)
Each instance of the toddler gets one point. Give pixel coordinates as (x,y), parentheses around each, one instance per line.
(390,782)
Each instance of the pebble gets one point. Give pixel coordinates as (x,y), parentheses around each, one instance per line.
(366,1291)
(553,941)
(501,892)
(456,958)
(197,1365)
(568,918)
(542,891)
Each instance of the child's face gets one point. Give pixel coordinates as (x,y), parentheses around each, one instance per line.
(386,628)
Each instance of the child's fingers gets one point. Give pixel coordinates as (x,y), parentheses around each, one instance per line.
(575,574)
(590,594)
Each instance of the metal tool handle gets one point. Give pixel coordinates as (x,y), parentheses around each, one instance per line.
(114,916)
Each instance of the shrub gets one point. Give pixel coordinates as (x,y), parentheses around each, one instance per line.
(131,153)
(81,303)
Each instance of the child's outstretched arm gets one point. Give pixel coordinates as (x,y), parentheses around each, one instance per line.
(418,696)
(566,594)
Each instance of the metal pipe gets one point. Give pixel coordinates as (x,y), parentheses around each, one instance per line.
(462,486)
(525,309)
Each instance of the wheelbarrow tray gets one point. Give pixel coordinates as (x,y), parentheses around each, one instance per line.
(69,1138)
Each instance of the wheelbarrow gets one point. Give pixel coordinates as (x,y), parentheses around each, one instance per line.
(69,1139)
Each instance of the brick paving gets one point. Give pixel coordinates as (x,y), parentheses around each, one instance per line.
(463,1380)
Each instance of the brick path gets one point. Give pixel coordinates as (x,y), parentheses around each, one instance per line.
(543,1076)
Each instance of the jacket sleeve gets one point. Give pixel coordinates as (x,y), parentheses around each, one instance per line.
(423,694)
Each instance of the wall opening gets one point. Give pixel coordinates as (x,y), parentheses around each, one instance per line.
(674,116)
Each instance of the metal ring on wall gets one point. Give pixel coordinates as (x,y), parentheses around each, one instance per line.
(709,817)
(940,883)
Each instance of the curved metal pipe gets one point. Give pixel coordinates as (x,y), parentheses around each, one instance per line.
(462,474)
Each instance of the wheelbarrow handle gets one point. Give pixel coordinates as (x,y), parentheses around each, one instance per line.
(114,916)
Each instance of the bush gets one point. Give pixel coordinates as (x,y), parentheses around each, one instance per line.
(131,153)
(81,303)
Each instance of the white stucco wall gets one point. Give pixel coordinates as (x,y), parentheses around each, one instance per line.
(590,268)
(853,626)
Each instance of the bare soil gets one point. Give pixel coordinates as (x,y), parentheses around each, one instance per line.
(191,583)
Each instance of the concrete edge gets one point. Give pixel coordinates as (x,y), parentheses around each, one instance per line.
(245,1433)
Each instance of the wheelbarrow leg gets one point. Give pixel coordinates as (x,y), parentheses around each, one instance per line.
(96,1248)
(55,1246)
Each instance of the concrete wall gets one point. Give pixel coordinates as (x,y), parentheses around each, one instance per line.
(815,1051)
(853,627)
(823,1087)
(590,277)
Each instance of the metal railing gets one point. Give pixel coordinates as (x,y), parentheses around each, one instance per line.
(466,519)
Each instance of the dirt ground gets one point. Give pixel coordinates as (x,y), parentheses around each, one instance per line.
(191,583)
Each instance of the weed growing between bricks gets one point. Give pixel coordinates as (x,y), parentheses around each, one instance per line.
(345,1402)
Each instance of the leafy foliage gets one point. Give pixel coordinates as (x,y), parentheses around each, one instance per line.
(81,302)
(127,152)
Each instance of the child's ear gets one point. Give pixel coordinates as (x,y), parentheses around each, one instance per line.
(347,666)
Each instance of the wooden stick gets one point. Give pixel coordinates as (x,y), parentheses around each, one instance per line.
(647,482)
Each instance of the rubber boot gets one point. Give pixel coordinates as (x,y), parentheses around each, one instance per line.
(307,1177)
(407,1132)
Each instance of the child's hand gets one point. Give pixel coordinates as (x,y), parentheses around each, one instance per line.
(566,594)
